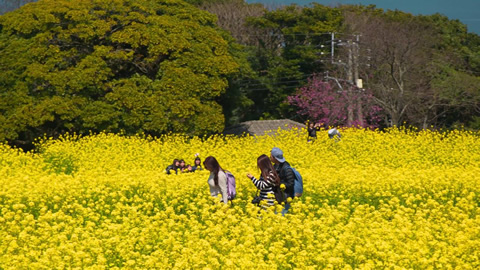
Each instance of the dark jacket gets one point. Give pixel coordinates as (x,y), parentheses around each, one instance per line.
(196,168)
(171,167)
(312,132)
(287,177)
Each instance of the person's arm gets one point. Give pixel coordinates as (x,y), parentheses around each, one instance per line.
(222,183)
(259,183)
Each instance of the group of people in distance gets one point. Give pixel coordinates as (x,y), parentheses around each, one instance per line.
(278,175)
(178,166)
(312,129)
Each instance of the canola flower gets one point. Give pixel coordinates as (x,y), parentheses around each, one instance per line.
(399,199)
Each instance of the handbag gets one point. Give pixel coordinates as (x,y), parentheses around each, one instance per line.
(256,199)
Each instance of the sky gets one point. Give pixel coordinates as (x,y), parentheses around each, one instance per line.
(466,11)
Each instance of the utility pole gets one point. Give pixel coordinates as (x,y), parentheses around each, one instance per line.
(355,59)
(357,81)
(350,94)
(354,83)
(351,65)
(333,47)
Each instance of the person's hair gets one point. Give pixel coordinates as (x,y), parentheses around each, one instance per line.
(265,166)
(175,163)
(211,163)
(195,162)
(181,160)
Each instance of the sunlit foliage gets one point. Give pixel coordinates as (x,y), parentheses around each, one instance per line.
(110,65)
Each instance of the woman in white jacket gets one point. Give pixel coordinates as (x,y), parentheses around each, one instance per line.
(217,179)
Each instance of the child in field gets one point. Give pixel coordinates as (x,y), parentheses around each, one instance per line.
(188,169)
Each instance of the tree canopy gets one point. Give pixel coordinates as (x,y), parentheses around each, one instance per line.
(286,54)
(115,65)
(420,68)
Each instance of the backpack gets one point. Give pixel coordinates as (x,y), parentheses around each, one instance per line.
(231,186)
(298,185)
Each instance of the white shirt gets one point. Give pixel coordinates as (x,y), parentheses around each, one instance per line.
(222,185)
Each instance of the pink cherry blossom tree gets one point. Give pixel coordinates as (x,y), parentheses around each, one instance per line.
(336,105)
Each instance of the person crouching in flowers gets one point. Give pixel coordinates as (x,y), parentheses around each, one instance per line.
(173,167)
(217,179)
(182,166)
(197,164)
(268,180)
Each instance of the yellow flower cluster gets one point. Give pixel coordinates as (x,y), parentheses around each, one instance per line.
(399,199)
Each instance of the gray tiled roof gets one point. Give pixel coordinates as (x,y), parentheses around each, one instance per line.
(262,127)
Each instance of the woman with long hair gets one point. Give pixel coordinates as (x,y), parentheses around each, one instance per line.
(217,179)
(268,179)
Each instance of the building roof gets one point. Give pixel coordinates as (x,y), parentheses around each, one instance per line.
(262,127)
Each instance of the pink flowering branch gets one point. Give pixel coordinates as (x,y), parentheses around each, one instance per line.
(325,103)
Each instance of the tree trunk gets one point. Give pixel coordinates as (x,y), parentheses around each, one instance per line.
(360,113)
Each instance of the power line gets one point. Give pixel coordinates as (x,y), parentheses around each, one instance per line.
(282,34)
(303,77)
(266,89)
(275,83)
(297,34)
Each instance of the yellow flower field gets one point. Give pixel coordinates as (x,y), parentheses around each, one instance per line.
(399,199)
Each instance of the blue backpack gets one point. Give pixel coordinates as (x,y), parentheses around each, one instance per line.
(298,185)
(231,186)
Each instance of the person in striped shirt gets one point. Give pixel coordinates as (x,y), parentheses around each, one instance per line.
(268,180)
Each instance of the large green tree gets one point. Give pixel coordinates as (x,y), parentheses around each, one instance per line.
(115,65)
(232,17)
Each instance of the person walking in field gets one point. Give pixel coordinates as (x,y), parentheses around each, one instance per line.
(267,181)
(217,180)
(286,174)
